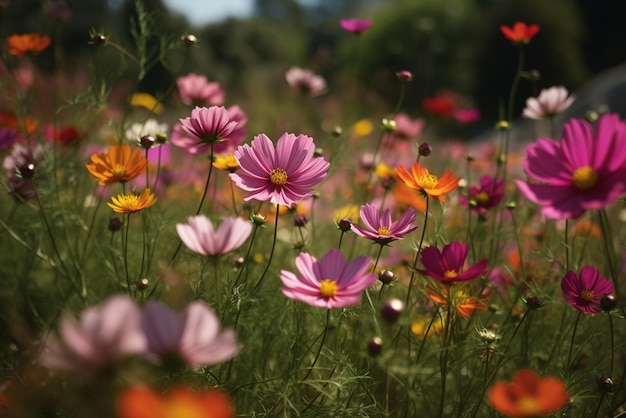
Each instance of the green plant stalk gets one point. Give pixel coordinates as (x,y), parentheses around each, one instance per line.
(269,261)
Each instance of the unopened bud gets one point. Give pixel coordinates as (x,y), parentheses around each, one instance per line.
(424,149)
(389,125)
(189,39)
(404,75)
(386,276)
(375,346)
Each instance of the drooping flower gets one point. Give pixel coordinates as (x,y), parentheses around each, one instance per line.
(356,26)
(428,184)
(583,291)
(196,89)
(528,395)
(118,165)
(132,202)
(330,282)
(223,128)
(484,197)
(585,170)
(104,335)
(520,33)
(179,402)
(194,336)
(380,228)
(448,265)
(201,237)
(550,103)
(306,81)
(28,43)
(284,175)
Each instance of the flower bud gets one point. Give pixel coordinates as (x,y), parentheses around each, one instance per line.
(404,75)
(300,221)
(258,219)
(99,39)
(345,225)
(115,224)
(189,39)
(424,149)
(147,141)
(318,152)
(27,171)
(161,138)
(238,261)
(503,125)
(375,346)
(533,302)
(386,276)
(606,384)
(337,131)
(389,125)
(142,284)
(391,310)
(608,303)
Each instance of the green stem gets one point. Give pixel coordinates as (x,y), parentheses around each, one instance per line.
(571,345)
(319,350)
(417,254)
(269,261)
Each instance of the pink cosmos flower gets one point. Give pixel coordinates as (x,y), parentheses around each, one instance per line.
(486,196)
(330,282)
(284,175)
(584,291)
(448,265)
(380,228)
(201,237)
(195,89)
(306,81)
(585,170)
(225,128)
(356,25)
(193,336)
(467,115)
(550,102)
(104,335)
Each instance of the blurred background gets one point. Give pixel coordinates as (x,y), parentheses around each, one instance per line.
(452,45)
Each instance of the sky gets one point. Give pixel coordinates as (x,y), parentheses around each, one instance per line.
(200,12)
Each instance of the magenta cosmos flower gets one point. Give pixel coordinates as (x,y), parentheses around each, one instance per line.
(550,103)
(356,25)
(195,89)
(104,335)
(193,336)
(223,128)
(380,228)
(306,81)
(330,282)
(584,291)
(484,197)
(284,175)
(201,237)
(582,171)
(448,265)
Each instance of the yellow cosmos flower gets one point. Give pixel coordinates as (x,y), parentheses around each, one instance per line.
(118,165)
(131,202)
(147,101)
(226,162)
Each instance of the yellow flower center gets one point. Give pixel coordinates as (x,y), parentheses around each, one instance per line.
(383,231)
(129,201)
(428,181)
(585,178)
(586,295)
(328,288)
(450,274)
(482,198)
(528,406)
(278,176)
(119,171)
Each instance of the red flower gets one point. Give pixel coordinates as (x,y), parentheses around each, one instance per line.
(520,33)
(20,45)
(528,395)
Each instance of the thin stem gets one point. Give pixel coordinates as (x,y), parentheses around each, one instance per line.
(419,352)
(571,345)
(417,254)
(319,350)
(247,257)
(125,250)
(269,261)
(443,360)
(607,246)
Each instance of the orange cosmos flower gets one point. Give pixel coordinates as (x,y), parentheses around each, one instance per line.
(520,33)
(428,184)
(29,43)
(461,301)
(131,202)
(180,402)
(119,165)
(528,395)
